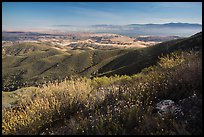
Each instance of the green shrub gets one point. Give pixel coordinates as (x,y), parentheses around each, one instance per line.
(112,105)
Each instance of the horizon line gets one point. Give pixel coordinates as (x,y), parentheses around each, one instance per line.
(67,25)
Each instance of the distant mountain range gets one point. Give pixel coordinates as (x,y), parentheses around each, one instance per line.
(179,29)
(170,25)
(167,29)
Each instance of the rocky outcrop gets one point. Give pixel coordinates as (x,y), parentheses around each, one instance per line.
(187,109)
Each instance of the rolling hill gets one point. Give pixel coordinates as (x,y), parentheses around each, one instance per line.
(29,64)
(133,61)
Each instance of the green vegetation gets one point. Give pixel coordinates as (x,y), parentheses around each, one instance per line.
(136,60)
(32,64)
(103,92)
(22,68)
(113,105)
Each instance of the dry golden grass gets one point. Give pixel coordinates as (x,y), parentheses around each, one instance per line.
(51,101)
(114,105)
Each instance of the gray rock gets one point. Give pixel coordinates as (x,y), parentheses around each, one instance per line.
(169,107)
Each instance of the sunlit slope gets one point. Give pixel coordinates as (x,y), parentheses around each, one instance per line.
(115,105)
(135,60)
(32,64)
(26,63)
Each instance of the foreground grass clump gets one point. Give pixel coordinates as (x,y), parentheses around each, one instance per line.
(51,102)
(114,105)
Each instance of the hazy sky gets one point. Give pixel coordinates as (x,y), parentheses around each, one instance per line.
(17,15)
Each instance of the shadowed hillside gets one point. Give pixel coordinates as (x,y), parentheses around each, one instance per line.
(164,99)
(133,61)
(29,64)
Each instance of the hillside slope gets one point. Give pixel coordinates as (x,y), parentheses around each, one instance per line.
(164,99)
(29,64)
(133,61)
